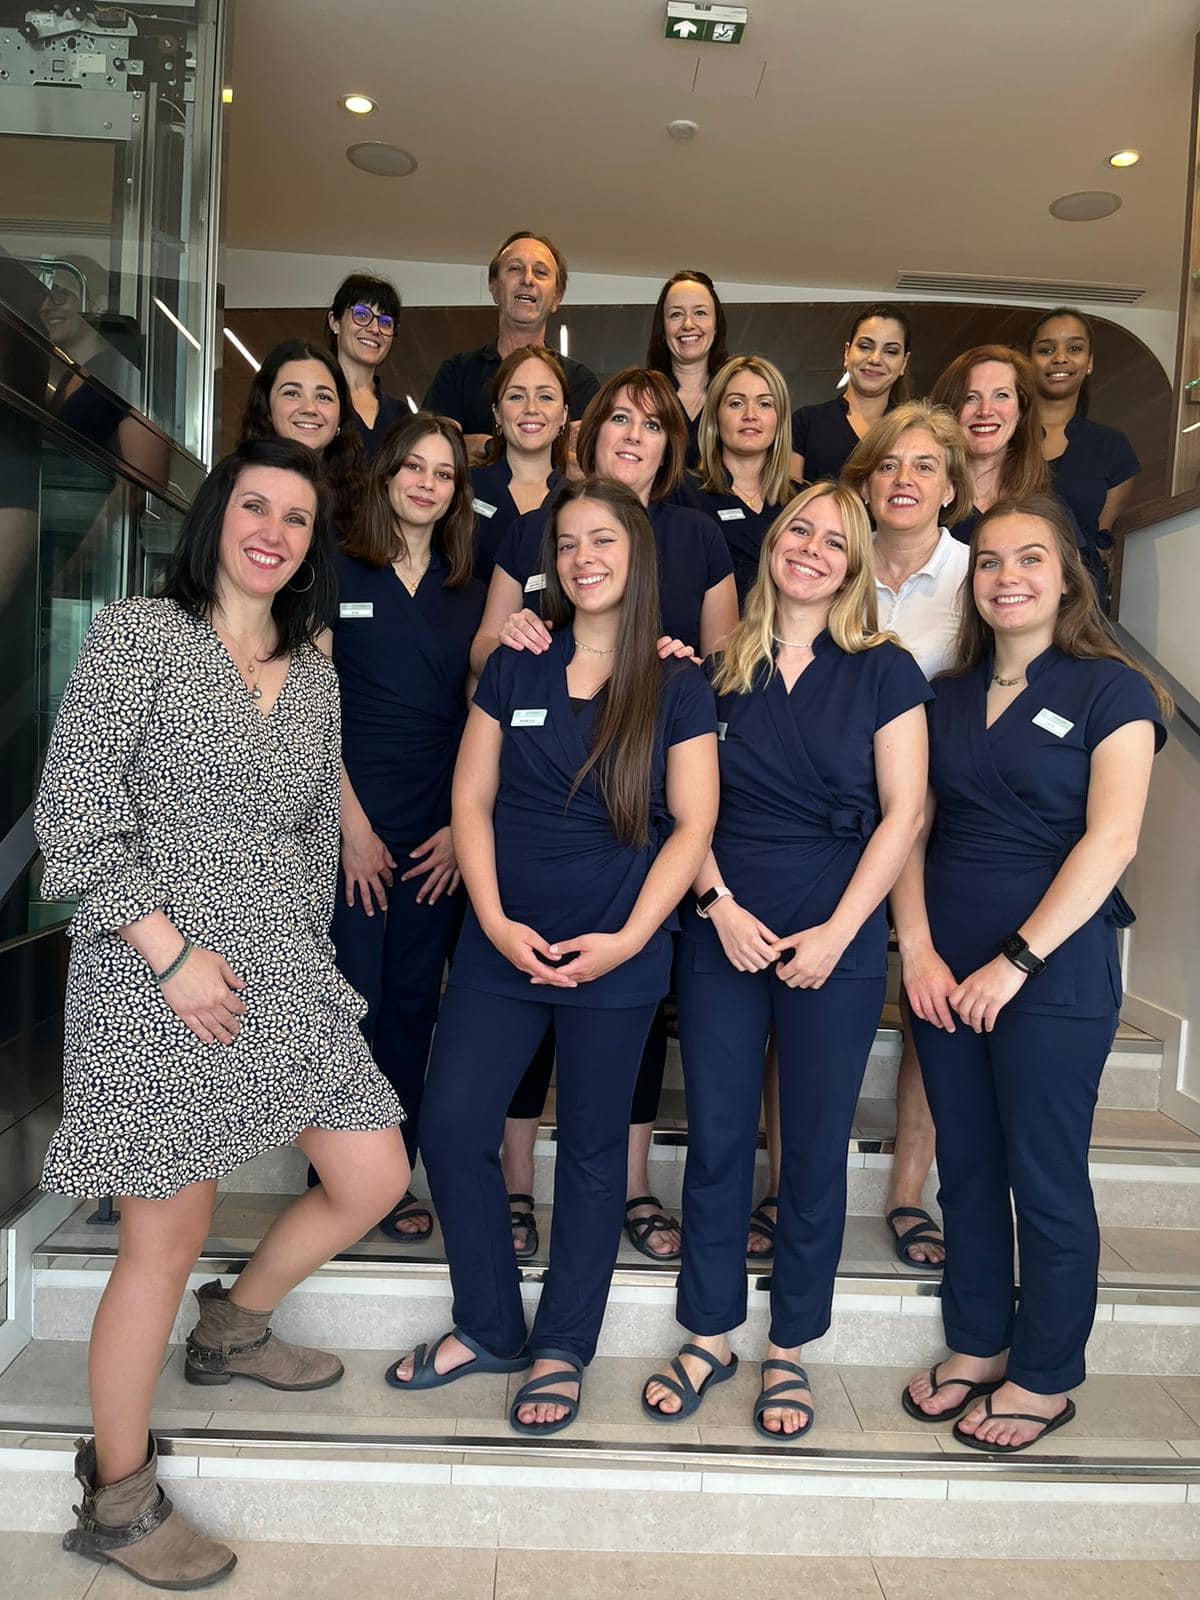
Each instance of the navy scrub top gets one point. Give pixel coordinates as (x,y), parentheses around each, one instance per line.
(823,436)
(560,868)
(402,662)
(965,527)
(462,387)
(692,557)
(742,528)
(799,801)
(1097,459)
(496,511)
(390,412)
(1011,805)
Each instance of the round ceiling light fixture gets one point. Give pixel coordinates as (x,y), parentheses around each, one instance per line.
(683,128)
(360,104)
(1087,205)
(1124,158)
(381,160)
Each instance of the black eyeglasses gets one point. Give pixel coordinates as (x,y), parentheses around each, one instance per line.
(364,316)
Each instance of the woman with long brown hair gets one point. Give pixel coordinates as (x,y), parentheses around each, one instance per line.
(400,637)
(584,800)
(1042,736)
(687,344)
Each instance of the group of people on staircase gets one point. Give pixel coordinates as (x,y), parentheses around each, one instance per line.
(618,692)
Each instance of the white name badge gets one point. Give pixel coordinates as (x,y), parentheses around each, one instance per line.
(529,719)
(722,729)
(535,580)
(1053,723)
(350,609)
(482,509)
(732,514)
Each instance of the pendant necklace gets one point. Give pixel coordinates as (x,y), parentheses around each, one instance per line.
(250,670)
(416,584)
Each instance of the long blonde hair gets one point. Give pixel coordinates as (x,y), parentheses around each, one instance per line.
(776,473)
(853,617)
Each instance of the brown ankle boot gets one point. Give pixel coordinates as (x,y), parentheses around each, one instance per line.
(133,1525)
(230,1342)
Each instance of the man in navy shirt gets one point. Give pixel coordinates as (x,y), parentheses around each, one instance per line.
(526,278)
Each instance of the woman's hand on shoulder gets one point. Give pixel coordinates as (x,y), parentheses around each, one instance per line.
(980,998)
(204,995)
(525,630)
(749,945)
(815,953)
(367,867)
(929,983)
(675,650)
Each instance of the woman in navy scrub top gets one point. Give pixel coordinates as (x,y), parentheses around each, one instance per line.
(1041,741)
(401,638)
(687,344)
(1092,467)
(361,325)
(876,359)
(633,432)
(584,801)
(822,750)
(299,393)
(743,479)
(526,457)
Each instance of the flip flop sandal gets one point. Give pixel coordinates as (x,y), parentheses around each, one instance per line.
(521,1218)
(974,1391)
(771,1400)
(918,1234)
(534,1393)
(688,1394)
(760,1222)
(638,1229)
(410,1206)
(426,1376)
(1067,1414)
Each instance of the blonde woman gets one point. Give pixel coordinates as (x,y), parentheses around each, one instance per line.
(821,740)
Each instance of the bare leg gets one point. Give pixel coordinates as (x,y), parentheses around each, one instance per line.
(159,1243)
(363,1175)
(516,1161)
(914,1142)
(757,1243)
(669,1242)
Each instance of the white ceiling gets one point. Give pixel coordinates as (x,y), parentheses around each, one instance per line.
(842,141)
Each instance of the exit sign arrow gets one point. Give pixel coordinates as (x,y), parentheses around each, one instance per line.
(684,30)
(694,22)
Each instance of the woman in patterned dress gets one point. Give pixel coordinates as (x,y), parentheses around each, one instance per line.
(189,805)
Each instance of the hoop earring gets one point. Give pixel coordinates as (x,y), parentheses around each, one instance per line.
(311,579)
(499,431)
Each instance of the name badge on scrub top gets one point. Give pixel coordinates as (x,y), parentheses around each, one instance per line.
(722,729)
(529,719)
(349,609)
(482,509)
(732,514)
(1053,723)
(535,580)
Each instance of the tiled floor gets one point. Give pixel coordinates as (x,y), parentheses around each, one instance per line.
(34,1567)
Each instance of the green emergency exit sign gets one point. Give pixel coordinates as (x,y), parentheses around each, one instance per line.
(701,24)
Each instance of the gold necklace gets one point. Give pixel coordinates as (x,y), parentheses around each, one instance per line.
(1007,683)
(250,670)
(416,583)
(591,648)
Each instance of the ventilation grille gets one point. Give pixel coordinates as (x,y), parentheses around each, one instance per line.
(1057,290)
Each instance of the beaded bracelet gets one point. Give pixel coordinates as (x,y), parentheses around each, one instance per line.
(169,972)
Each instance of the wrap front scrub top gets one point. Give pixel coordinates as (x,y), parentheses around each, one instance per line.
(1011,805)
(496,511)
(799,801)
(560,868)
(742,528)
(402,663)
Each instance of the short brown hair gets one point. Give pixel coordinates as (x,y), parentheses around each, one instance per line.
(560,260)
(882,439)
(656,395)
(1024,471)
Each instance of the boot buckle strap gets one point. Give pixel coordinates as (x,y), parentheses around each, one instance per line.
(213,1360)
(103,1536)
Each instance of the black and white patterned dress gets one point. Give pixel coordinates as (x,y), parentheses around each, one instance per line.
(165,787)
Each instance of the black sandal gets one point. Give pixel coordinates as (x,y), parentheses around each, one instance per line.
(1067,1414)
(639,1229)
(410,1206)
(520,1218)
(761,1223)
(918,1234)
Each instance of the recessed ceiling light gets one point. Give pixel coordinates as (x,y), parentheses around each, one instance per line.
(1125,158)
(360,104)
(381,160)
(683,128)
(1086,205)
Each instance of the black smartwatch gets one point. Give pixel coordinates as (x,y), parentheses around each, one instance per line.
(1019,953)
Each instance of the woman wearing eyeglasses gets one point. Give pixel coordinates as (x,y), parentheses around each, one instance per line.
(361,327)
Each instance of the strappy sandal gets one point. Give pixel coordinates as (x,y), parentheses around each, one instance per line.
(535,1393)
(1067,1414)
(425,1373)
(761,1223)
(689,1396)
(409,1207)
(918,1234)
(974,1391)
(771,1399)
(638,1229)
(521,1218)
